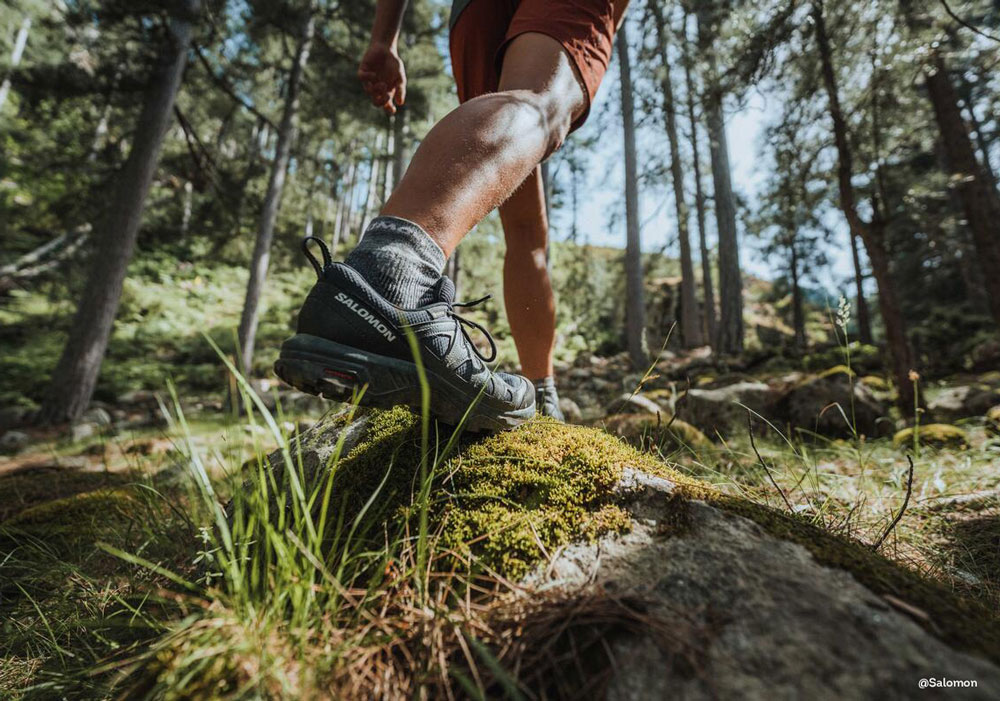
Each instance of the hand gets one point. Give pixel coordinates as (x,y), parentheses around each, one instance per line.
(382,76)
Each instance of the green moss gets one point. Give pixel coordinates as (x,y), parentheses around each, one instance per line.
(78,515)
(509,498)
(933,436)
(834,371)
(876,383)
(993,420)
(505,499)
(644,431)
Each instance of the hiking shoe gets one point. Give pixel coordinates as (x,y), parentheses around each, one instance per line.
(351,341)
(547,399)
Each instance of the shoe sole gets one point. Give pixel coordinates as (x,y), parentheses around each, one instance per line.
(337,372)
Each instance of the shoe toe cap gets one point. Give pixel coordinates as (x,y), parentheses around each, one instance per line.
(522,391)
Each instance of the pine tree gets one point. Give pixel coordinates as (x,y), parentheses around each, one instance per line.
(75,376)
(635,308)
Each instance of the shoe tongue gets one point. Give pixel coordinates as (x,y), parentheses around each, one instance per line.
(444,290)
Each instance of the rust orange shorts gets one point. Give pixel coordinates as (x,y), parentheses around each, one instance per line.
(485,28)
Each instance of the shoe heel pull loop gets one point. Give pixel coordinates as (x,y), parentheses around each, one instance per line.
(327,258)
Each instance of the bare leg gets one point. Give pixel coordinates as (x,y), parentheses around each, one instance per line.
(527,289)
(474,158)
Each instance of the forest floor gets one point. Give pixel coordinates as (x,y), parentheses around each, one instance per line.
(92,520)
(108,529)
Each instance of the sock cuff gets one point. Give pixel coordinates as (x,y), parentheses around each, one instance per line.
(547,382)
(394,231)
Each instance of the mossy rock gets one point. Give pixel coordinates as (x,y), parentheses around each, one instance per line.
(942,436)
(511,501)
(864,358)
(644,432)
(514,495)
(78,516)
(876,383)
(993,420)
(836,370)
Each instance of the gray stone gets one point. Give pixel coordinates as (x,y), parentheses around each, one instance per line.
(96,415)
(571,410)
(822,404)
(724,410)
(631,403)
(962,402)
(13,441)
(84,430)
(753,616)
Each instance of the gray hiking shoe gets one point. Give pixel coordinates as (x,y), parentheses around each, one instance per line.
(349,339)
(547,399)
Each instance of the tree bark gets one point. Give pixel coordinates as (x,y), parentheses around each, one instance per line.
(798,314)
(635,308)
(711,323)
(398,146)
(871,236)
(980,201)
(730,279)
(864,316)
(75,376)
(272,200)
(15,57)
(690,323)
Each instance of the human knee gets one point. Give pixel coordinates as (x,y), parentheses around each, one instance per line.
(537,68)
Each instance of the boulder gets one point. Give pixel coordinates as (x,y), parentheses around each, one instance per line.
(933,436)
(724,409)
(698,594)
(961,402)
(656,432)
(633,403)
(13,441)
(97,415)
(822,404)
(571,410)
(82,431)
(733,611)
(993,420)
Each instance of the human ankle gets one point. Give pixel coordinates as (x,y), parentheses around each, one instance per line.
(399,259)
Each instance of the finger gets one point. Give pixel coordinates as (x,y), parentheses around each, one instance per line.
(401,93)
(365,74)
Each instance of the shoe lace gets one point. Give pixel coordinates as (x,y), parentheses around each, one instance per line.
(463,323)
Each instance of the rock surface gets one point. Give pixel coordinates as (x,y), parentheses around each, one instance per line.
(719,410)
(823,404)
(954,403)
(750,612)
(769,620)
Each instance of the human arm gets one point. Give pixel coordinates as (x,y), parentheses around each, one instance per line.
(381,71)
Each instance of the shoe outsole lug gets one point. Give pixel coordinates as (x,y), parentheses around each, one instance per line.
(341,374)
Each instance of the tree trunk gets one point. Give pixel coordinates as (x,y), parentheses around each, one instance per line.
(980,201)
(15,57)
(730,280)
(373,175)
(635,308)
(75,376)
(272,200)
(872,237)
(452,268)
(864,316)
(186,208)
(690,323)
(798,315)
(398,146)
(711,324)
(343,207)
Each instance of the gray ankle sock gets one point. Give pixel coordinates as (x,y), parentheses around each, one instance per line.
(399,260)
